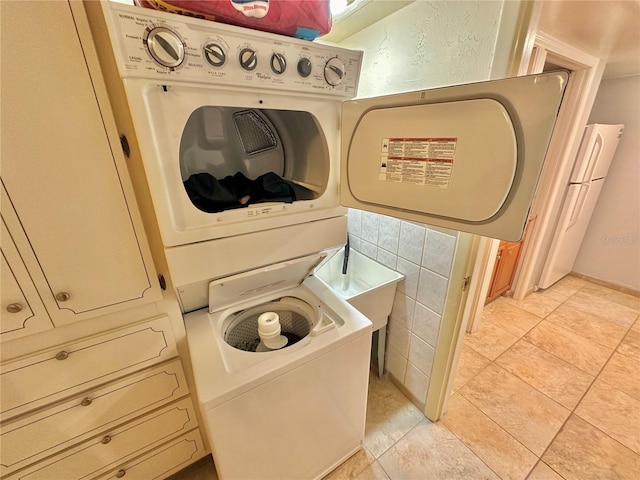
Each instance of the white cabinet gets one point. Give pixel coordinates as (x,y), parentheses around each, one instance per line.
(44,433)
(98,454)
(105,397)
(68,201)
(163,461)
(40,379)
(22,312)
(94,406)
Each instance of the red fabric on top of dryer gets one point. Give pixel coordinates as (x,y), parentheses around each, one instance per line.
(307,19)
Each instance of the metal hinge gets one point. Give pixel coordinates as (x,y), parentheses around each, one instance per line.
(465,283)
(124,143)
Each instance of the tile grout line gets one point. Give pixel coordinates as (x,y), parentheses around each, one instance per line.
(572,412)
(497,425)
(539,458)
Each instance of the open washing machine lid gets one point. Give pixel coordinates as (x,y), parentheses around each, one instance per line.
(227,291)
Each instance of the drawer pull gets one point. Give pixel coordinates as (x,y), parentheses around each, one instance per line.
(62,355)
(63,296)
(121,473)
(106,439)
(14,307)
(86,401)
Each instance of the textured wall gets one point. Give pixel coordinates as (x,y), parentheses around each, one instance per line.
(610,249)
(424,45)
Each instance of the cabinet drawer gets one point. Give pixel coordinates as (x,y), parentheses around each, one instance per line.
(104,453)
(163,461)
(47,432)
(33,382)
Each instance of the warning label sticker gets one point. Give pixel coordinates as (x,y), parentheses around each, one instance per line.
(418,161)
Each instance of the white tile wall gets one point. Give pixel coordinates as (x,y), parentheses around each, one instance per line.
(425,256)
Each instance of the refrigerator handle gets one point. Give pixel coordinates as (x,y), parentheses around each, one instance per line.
(598,145)
(578,206)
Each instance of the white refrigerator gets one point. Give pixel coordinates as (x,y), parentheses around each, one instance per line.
(592,163)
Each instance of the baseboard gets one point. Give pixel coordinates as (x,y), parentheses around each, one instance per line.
(605,283)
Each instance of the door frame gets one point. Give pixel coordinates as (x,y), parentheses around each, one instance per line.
(586,73)
(585,79)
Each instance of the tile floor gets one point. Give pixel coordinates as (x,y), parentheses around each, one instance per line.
(547,388)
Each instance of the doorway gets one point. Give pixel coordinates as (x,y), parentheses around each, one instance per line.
(547,53)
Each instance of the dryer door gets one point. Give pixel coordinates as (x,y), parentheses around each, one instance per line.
(466,157)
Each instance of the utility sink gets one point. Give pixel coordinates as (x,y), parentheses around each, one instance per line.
(368,285)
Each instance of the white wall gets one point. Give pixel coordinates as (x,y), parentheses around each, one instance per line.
(424,45)
(611,247)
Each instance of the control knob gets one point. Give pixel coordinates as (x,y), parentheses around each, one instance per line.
(165,46)
(214,54)
(278,63)
(248,59)
(304,67)
(334,71)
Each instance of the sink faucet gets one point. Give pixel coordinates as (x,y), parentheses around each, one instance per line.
(345,262)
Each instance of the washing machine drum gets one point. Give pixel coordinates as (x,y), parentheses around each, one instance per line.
(296,321)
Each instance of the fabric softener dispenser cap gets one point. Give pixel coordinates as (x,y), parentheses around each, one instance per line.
(269,331)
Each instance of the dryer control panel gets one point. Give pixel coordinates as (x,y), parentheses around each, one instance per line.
(159,45)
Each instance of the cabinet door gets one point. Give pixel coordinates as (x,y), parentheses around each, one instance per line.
(60,167)
(505,268)
(22,312)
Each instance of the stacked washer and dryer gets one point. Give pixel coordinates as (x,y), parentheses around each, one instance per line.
(241,135)
(237,131)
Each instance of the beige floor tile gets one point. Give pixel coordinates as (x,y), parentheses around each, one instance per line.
(563,382)
(598,329)
(352,467)
(603,308)
(612,295)
(582,452)
(494,446)
(614,412)
(470,364)
(373,472)
(630,345)
(623,373)
(528,415)
(507,316)
(431,451)
(542,471)
(540,304)
(567,286)
(390,415)
(489,340)
(575,349)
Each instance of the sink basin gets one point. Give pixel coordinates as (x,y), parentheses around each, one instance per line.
(368,285)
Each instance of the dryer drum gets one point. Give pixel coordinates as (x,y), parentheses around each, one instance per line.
(243,331)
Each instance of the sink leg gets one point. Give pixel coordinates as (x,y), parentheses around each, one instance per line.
(382,340)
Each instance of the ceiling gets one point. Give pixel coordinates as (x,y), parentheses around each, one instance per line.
(605,28)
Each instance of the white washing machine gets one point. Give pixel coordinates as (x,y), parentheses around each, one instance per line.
(293,413)
(245,150)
